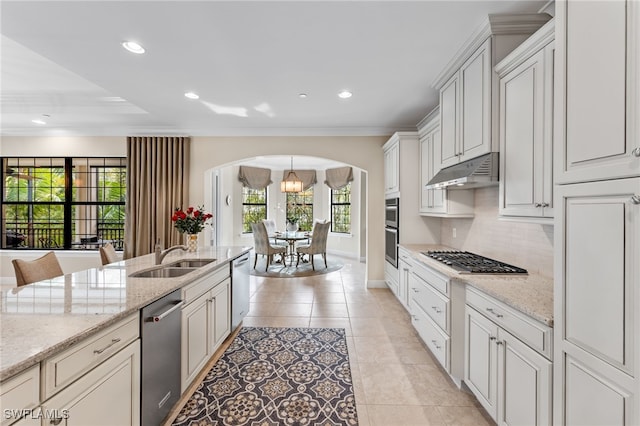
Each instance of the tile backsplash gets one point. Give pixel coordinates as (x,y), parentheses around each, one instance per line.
(528,245)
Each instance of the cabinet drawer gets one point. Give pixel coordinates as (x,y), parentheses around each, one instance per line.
(437,281)
(530,331)
(405,256)
(437,342)
(204,284)
(67,366)
(20,392)
(431,301)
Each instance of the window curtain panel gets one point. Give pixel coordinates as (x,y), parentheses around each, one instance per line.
(308,177)
(339,177)
(157,183)
(254,177)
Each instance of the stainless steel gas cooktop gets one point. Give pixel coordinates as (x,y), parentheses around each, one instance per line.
(471,263)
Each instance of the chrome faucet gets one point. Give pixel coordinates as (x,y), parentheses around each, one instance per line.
(160,254)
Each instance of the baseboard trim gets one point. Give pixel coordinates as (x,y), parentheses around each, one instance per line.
(376,284)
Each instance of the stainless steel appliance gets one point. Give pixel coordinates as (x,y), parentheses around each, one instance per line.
(391,212)
(470,263)
(160,366)
(240,292)
(392,223)
(475,173)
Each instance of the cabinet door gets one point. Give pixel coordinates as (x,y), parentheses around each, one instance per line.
(107,395)
(219,315)
(481,359)
(449,119)
(522,138)
(194,336)
(598,272)
(425,161)
(525,388)
(392,168)
(438,202)
(475,119)
(597,130)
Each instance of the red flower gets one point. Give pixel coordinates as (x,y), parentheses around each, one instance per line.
(196,213)
(192,221)
(190,210)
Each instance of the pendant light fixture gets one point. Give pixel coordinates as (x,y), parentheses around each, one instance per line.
(291,183)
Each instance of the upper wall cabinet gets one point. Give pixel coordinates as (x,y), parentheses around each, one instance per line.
(469,88)
(391,151)
(526,128)
(596,132)
(438,202)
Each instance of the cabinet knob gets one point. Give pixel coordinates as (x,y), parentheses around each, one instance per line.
(635,199)
(415,318)
(537,205)
(498,342)
(492,337)
(636,152)
(545,205)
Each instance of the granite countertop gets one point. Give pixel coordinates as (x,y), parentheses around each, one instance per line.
(41,319)
(530,294)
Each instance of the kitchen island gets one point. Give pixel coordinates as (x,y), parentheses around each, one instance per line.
(44,321)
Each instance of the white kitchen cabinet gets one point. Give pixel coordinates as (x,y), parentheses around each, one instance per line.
(21,392)
(526,128)
(469,88)
(596,304)
(392,166)
(391,277)
(206,322)
(597,95)
(107,395)
(405,267)
(511,380)
(438,202)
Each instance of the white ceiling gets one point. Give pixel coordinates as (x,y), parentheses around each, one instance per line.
(64,60)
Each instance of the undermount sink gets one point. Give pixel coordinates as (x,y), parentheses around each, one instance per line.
(191,263)
(164,272)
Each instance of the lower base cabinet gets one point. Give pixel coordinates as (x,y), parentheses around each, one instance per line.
(511,381)
(107,395)
(205,325)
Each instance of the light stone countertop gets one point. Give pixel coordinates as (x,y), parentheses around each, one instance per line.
(530,294)
(44,318)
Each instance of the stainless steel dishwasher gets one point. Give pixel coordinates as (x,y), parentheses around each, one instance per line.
(160,385)
(240,291)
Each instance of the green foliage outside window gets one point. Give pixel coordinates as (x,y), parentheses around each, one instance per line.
(254,207)
(341,210)
(300,208)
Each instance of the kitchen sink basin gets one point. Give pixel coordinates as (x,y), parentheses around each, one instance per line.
(164,272)
(191,263)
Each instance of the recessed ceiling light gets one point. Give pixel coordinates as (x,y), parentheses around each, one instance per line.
(345,94)
(37,121)
(192,95)
(302,95)
(133,47)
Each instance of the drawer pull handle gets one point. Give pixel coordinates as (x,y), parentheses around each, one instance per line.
(636,152)
(415,290)
(113,342)
(415,318)
(435,343)
(495,313)
(498,342)
(635,199)
(435,308)
(56,421)
(492,338)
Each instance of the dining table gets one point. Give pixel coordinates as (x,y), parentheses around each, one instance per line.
(291,238)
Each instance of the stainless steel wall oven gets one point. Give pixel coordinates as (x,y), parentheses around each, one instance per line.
(392,223)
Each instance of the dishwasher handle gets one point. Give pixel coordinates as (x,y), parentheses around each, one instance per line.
(240,261)
(158,318)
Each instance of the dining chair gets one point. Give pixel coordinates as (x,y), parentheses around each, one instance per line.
(318,244)
(271,227)
(108,254)
(42,268)
(263,246)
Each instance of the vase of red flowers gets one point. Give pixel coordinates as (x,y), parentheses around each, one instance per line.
(191,222)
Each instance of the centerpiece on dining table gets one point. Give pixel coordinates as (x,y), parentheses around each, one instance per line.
(191,222)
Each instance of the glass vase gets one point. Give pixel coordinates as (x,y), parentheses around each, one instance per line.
(192,243)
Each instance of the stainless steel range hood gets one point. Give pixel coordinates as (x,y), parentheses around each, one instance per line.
(475,173)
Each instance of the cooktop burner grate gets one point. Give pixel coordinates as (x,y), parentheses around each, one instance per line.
(471,263)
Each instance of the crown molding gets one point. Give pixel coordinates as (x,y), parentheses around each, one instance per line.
(530,46)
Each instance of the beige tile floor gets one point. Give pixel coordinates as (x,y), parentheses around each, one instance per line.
(396,380)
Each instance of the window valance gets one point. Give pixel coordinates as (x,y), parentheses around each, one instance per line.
(308,177)
(339,177)
(254,177)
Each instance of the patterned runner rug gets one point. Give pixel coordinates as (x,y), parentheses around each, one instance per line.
(277,376)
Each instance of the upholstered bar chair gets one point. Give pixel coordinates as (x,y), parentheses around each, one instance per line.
(318,244)
(108,254)
(43,268)
(261,244)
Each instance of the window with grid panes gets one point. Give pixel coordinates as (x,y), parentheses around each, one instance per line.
(300,208)
(341,210)
(254,207)
(63,203)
